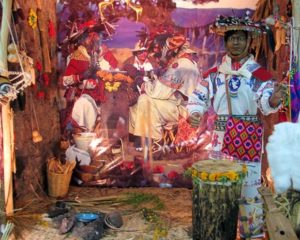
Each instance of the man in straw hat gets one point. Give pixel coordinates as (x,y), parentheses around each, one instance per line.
(163,98)
(139,65)
(140,68)
(250,86)
(84,92)
(238,86)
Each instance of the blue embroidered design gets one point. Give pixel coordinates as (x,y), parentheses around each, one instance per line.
(251,82)
(219,82)
(200,95)
(252,67)
(256,84)
(234,85)
(269,92)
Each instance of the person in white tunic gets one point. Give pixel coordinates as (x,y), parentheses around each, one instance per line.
(162,99)
(250,87)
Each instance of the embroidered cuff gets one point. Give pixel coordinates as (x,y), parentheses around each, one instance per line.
(265,107)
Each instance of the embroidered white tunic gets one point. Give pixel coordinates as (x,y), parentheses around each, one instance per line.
(159,107)
(246,92)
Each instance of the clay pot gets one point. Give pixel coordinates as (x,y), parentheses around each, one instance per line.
(114,220)
(83,140)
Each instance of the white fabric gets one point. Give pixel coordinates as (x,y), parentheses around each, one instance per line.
(283,156)
(182,72)
(150,115)
(247,94)
(103,64)
(159,106)
(246,98)
(186,72)
(85,112)
(145,66)
(73,153)
(225,68)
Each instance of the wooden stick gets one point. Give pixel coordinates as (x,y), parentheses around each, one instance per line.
(5,112)
(149,120)
(296,35)
(43,23)
(7,155)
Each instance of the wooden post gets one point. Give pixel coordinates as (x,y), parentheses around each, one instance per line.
(43,24)
(296,15)
(2,198)
(6,113)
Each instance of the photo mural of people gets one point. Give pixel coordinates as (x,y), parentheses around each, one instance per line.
(126,70)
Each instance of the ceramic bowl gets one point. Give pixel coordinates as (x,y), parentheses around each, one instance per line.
(83,140)
(113,220)
(86,216)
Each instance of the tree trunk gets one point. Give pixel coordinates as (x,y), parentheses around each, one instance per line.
(6,115)
(215,211)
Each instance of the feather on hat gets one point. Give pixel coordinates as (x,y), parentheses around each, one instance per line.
(232,23)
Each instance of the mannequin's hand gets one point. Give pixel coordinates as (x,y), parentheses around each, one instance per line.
(69,80)
(279,95)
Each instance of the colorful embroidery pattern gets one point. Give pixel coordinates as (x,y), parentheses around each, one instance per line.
(242,139)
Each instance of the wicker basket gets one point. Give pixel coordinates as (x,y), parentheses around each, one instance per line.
(58,183)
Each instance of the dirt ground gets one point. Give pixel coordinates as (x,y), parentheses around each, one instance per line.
(176,215)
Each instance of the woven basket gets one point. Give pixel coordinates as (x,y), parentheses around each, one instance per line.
(58,183)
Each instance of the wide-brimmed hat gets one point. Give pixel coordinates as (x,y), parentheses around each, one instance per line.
(224,24)
(176,41)
(190,50)
(139,47)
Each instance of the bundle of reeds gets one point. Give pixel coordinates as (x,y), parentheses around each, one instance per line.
(29,213)
(56,166)
(59,177)
(136,200)
(7,231)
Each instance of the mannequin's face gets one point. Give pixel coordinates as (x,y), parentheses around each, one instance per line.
(236,44)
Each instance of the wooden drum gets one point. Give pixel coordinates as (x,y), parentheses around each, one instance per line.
(217,186)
